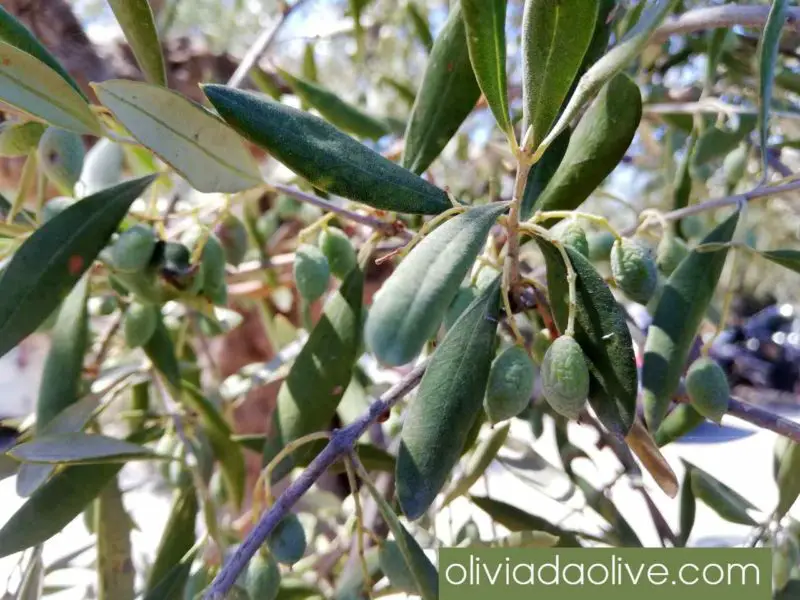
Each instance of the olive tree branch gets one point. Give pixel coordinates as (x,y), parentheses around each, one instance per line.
(763,418)
(720,16)
(262,43)
(341,443)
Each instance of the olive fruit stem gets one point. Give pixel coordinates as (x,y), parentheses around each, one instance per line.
(322,223)
(368,220)
(341,443)
(571,276)
(429,226)
(540,216)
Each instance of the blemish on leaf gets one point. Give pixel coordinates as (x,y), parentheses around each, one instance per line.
(75,264)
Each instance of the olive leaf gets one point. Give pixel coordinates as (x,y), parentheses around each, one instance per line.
(39,518)
(183,134)
(720,498)
(174,581)
(326,157)
(113,525)
(161,352)
(715,142)
(768,48)
(485,22)
(448,401)
(219,432)
(596,146)
(423,575)
(480,460)
(785,258)
(32,585)
(16,34)
(515,519)
(420,25)
(176,541)
(31,86)
(55,256)
(688,508)
(555,38)
(80,448)
(610,65)
(309,395)
(681,308)
(621,531)
(335,110)
(409,308)
(446,97)
(788,479)
(136,19)
(602,332)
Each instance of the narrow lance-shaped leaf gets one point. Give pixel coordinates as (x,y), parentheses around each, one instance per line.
(420,25)
(115,572)
(79,448)
(485,22)
(603,506)
(422,572)
(52,260)
(336,111)
(34,88)
(609,66)
(785,258)
(555,37)
(768,48)
(448,401)
(161,352)
(788,479)
(185,135)
(688,508)
(136,19)
(219,432)
(176,541)
(720,498)
(173,584)
(326,157)
(446,97)
(601,330)
(478,463)
(15,33)
(32,584)
(596,147)
(680,311)
(516,519)
(412,303)
(40,518)
(308,398)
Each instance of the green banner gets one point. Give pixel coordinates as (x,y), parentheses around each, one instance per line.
(596,573)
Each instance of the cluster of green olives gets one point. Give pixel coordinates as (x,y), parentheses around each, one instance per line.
(313,265)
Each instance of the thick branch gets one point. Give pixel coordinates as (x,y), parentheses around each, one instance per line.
(341,443)
(721,16)
(764,419)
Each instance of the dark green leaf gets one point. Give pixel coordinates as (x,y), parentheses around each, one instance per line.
(516,519)
(555,38)
(688,508)
(448,401)
(161,352)
(115,572)
(446,97)
(40,518)
(485,22)
(336,111)
(768,49)
(680,311)
(15,33)
(601,330)
(788,479)
(603,506)
(176,541)
(136,19)
(596,147)
(50,262)
(785,258)
(79,448)
(326,157)
(308,398)
(411,305)
(225,449)
(174,581)
(720,498)
(420,25)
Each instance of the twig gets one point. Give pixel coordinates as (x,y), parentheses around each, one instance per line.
(388,228)
(759,192)
(261,45)
(342,441)
(720,16)
(764,418)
